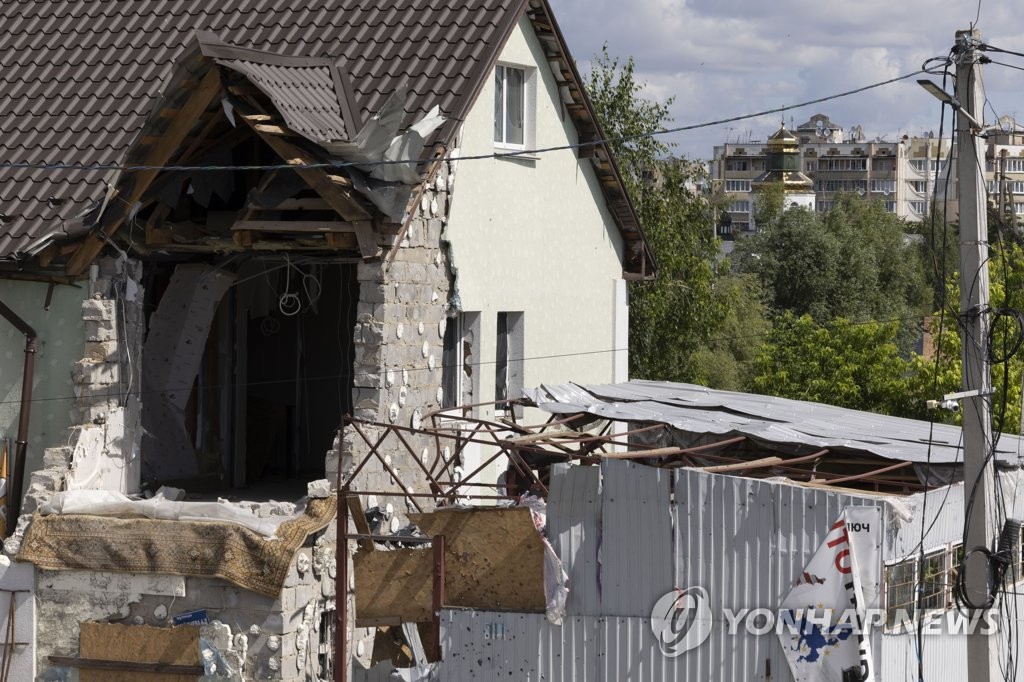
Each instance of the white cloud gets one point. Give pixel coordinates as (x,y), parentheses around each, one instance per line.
(723,58)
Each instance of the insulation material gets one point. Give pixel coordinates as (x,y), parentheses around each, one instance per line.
(392,587)
(172,354)
(140,644)
(112,503)
(494,558)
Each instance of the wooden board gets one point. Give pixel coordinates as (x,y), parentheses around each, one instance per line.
(141,644)
(494,559)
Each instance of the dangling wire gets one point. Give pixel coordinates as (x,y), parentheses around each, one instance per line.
(290,303)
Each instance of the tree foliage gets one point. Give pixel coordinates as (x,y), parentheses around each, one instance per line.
(843,363)
(853,262)
(673,317)
(936,376)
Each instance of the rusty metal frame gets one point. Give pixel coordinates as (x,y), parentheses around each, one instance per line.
(553,440)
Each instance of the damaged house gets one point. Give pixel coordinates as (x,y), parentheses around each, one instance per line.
(224,226)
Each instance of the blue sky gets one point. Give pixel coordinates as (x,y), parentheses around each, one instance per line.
(722,58)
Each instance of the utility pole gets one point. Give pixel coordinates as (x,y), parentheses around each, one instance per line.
(979,481)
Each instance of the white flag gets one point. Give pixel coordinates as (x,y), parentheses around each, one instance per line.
(826,635)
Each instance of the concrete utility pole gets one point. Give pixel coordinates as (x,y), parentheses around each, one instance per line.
(979,481)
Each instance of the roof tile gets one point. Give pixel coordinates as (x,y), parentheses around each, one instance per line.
(78,77)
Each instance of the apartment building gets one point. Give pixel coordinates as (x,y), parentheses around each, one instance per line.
(1004,169)
(902,174)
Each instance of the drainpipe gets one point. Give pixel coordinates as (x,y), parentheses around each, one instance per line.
(16,473)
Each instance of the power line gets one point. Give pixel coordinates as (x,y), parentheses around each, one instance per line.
(328,165)
(423,368)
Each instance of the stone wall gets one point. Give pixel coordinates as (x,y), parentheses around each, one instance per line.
(252,635)
(399,338)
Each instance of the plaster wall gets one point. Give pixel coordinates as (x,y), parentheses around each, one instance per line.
(532,234)
(60,332)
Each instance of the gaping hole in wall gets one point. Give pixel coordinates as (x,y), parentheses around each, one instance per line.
(247,366)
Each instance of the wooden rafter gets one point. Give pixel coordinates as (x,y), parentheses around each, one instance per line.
(158,155)
(333,189)
(314,226)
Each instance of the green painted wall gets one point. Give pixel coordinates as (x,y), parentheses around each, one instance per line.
(60,346)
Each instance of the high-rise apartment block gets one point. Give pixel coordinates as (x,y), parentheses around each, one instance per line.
(829,161)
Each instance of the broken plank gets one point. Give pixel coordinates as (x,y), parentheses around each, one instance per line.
(272,129)
(158,156)
(126,666)
(297,226)
(307,204)
(359,519)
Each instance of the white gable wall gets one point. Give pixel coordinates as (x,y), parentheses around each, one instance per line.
(533,235)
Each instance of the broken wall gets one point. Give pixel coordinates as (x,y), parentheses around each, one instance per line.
(59,346)
(173,351)
(399,335)
(264,638)
(106,413)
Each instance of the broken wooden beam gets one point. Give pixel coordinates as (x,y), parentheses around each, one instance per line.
(126,666)
(319,226)
(158,156)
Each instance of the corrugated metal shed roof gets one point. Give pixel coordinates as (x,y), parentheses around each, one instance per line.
(700,410)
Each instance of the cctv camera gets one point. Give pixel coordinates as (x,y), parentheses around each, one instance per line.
(951,405)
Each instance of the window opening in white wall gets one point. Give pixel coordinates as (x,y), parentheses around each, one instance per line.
(509,106)
(457,377)
(508,359)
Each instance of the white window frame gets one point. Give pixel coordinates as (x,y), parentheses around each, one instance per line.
(529,107)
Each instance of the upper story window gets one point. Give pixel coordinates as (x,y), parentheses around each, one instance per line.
(737,185)
(509,106)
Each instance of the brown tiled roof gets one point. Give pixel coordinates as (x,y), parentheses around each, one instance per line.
(78,78)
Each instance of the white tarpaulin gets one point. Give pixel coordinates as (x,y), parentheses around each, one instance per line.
(828,635)
(112,503)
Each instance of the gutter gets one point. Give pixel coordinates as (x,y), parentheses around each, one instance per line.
(16,474)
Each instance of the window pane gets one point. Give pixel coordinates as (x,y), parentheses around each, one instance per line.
(900,588)
(499,103)
(515,105)
(501,361)
(935,577)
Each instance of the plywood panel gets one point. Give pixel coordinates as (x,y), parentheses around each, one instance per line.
(138,643)
(494,559)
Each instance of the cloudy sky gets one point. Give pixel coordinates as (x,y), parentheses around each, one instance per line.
(723,58)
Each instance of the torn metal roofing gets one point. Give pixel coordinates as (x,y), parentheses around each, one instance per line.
(780,421)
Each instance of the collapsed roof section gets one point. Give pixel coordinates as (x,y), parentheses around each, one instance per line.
(330,71)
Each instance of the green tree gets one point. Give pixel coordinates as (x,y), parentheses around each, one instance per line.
(934,376)
(854,365)
(727,361)
(674,317)
(940,253)
(854,262)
